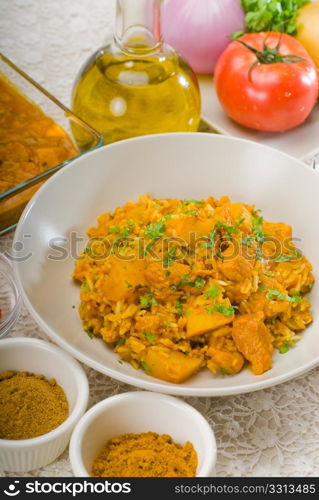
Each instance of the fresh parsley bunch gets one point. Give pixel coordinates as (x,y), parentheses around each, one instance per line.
(272,15)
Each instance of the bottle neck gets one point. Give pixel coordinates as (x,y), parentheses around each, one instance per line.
(138,25)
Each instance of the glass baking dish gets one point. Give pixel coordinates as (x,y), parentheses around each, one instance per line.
(14,199)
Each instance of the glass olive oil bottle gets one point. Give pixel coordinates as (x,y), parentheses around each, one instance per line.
(137,84)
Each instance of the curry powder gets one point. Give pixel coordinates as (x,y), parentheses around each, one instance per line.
(30,405)
(145,455)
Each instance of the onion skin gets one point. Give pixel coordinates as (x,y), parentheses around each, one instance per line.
(200,30)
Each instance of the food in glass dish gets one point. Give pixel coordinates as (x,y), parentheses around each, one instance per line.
(30,143)
(176,285)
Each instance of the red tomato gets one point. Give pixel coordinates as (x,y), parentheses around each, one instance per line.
(263,88)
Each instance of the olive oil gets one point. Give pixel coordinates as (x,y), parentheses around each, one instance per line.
(135,86)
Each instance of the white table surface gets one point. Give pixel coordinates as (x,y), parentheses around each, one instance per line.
(274,432)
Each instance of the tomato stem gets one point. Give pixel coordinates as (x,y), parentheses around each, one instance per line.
(270,56)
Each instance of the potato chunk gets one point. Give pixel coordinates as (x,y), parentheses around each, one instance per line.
(123,276)
(199,321)
(172,366)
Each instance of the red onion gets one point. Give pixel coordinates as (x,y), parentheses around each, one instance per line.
(199,30)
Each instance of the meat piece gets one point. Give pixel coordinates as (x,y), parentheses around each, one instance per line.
(235,268)
(253,340)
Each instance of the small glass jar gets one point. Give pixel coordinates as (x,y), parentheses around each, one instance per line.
(9,297)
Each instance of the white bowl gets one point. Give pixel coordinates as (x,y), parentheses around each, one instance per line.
(39,357)
(138,412)
(184,166)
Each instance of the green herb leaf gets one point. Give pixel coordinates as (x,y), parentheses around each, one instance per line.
(212,292)
(120,341)
(248,240)
(193,213)
(128,284)
(114,229)
(258,233)
(149,336)
(225,310)
(145,366)
(272,15)
(179,305)
(197,202)
(156,230)
(89,332)
(229,230)
(86,287)
(222,371)
(275,294)
(284,258)
(169,257)
(147,300)
(200,282)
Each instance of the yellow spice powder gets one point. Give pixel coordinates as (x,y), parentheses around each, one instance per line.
(30,405)
(145,455)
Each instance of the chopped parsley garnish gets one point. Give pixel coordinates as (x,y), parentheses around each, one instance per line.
(114,229)
(169,257)
(239,221)
(120,341)
(149,247)
(225,310)
(168,217)
(86,287)
(258,233)
(96,276)
(248,240)
(179,305)
(167,274)
(197,202)
(149,336)
(284,258)
(222,371)
(73,307)
(270,275)
(211,240)
(120,361)
(167,323)
(145,366)
(199,282)
(89,332)
(191,212)
(130,223)
(275,294)
(186,281)
(128,284)
(212,292)
(125,232)
(229,230)
(156,230)
(147,300)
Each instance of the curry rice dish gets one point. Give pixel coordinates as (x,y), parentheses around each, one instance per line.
(173,286)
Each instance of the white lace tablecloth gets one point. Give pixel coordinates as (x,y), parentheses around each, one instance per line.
(274,432)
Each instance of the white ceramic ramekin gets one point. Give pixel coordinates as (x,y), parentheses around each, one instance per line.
(39,357)
(141,412)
